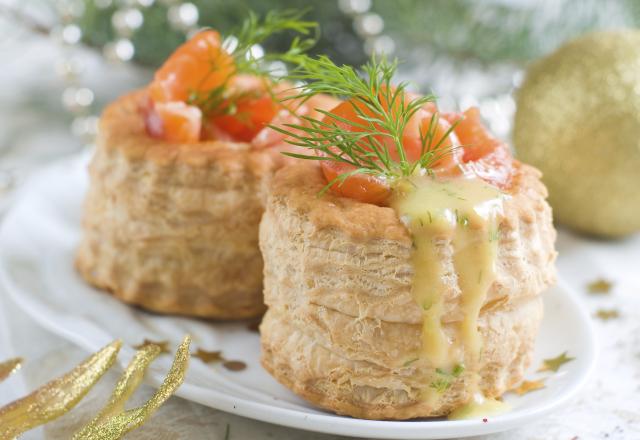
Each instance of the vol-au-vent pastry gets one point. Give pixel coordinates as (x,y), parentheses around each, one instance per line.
(403,277)
(177,183)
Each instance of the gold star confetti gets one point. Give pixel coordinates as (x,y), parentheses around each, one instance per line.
(600,287)
(7,368)
(528,386)
(234,365)
(208,357)
(553,364)
(164,345)
(607,314)
(211,357)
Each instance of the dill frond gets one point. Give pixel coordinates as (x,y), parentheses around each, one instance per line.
(241,43)
(383,109)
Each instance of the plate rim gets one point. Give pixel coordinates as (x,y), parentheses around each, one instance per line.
(317,422)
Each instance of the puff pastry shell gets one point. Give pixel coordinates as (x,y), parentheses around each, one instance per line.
(174,227)
(342,325)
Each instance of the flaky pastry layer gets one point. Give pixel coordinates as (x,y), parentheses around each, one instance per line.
(343,329)
(174,227)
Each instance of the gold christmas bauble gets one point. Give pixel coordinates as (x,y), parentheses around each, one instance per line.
(578,121)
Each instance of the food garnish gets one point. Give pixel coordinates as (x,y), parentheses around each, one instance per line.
(223,89)
(382,133)
(445,379)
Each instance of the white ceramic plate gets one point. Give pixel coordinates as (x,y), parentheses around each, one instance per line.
(37,243)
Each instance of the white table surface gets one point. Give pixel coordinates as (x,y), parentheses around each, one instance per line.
(35,128)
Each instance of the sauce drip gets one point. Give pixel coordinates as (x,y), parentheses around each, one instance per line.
(479,407)
(465,213)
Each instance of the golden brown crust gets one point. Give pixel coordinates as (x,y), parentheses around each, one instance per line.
(338,276)
(174,227)
(300,186)
(363,389)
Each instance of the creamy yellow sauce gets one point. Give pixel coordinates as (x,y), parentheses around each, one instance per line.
(465,213)
(479,407)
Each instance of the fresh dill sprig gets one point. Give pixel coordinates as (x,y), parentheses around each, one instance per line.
(444,379)
(254,31)
(241,44)
(384,111)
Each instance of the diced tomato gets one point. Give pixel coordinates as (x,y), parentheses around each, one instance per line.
(484,155)
(196,68)
(472,134)
(152,121)
(174,122)
(411,139)
(246,109)
(347,116)
(199,65)
(247,117)
(295,109)
(469,149)
(268,137)
(447,155)
(362,187)
(495,167)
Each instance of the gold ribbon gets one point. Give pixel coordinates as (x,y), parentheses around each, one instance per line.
(7,368)
(56,397)
(113,421)
(128,383)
